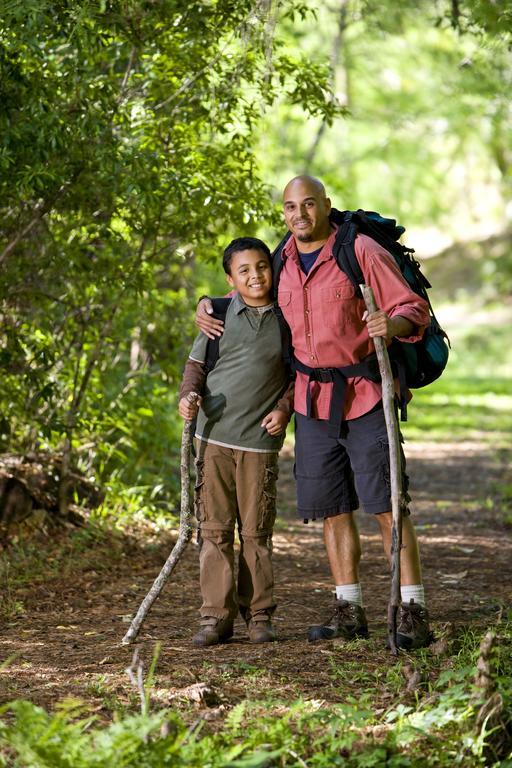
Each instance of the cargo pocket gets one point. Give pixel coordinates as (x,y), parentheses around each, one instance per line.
(384,463)
(268,512)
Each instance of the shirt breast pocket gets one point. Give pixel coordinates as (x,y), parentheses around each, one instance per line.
(284,299)
(337,304)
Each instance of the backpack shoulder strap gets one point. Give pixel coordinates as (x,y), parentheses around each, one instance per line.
(344,249)
(220,308)
(277,263)
(286,340)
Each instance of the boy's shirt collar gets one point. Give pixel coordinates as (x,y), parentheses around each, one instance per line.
(239,304)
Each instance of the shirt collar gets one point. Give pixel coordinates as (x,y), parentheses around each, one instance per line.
(290,249)
(239,304)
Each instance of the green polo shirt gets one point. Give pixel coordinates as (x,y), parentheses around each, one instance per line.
(247,381)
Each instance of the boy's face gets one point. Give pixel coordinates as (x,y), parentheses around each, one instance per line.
(251,276)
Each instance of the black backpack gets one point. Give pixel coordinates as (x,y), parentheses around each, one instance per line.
(220,308)
(416,364)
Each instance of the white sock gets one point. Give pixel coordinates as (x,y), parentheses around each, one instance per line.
(350,592)
(414,592)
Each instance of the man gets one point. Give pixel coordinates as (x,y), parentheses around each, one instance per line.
(331,329)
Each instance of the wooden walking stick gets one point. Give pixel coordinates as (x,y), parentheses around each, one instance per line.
(397,501)
(184,534)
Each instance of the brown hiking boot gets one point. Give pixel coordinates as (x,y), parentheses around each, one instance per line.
(348,620)
(412,630)
(213,631)
(260,629)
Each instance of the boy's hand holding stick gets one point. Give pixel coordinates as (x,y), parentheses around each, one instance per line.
(185,530)
(388,399)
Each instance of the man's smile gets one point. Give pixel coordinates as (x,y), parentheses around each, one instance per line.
(302,223)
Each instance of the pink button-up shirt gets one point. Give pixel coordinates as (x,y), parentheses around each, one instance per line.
(324,315)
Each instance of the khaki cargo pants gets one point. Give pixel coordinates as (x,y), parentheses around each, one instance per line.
(235,488)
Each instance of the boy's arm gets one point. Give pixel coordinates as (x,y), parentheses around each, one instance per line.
(194,377)
(193,380)
(277,420)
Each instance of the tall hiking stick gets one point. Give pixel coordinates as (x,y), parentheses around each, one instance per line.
(388,402)
(184,534)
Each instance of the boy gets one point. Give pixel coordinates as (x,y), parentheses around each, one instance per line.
(245,407)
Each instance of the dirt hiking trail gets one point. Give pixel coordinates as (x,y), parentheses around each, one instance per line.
(67,641)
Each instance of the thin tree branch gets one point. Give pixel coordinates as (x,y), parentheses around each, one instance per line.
(255,13)
(40,210)
(335,58)
(184,535)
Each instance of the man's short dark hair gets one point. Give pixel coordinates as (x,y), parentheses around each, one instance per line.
(243,244)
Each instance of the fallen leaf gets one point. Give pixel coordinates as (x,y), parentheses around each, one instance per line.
(412,677)
(453,576)
(440,647)
(214,714)
(200,693)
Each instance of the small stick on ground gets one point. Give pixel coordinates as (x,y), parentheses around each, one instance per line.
(184,535)
(136,674)
(388,402)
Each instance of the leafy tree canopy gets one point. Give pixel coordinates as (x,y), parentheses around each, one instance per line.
(125,150)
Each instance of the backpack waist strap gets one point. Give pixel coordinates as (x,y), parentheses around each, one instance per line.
(367,368)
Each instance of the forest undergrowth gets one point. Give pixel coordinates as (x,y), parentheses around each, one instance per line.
(73,696)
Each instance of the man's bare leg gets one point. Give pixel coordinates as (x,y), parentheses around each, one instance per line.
(412,623)
(343,547)
(410,564)
(341,537)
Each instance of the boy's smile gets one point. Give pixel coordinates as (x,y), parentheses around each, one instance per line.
(251,276)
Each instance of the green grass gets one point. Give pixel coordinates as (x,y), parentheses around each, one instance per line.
(454,409)
(473,398)
(437,726)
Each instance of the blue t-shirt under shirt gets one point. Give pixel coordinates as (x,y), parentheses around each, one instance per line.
(308,259)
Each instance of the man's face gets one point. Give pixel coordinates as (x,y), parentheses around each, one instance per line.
(251,275)
(306,212)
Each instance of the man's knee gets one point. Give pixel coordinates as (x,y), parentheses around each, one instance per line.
(340,523)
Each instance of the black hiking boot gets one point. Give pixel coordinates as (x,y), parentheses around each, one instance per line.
(213,631)
(412,630)
(348,620)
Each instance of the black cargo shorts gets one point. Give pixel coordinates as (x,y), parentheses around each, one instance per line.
(334,475)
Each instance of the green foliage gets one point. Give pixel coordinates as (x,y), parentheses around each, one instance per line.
(125,158)
(439,731)
(426,139)
(137,138)
(466,403)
